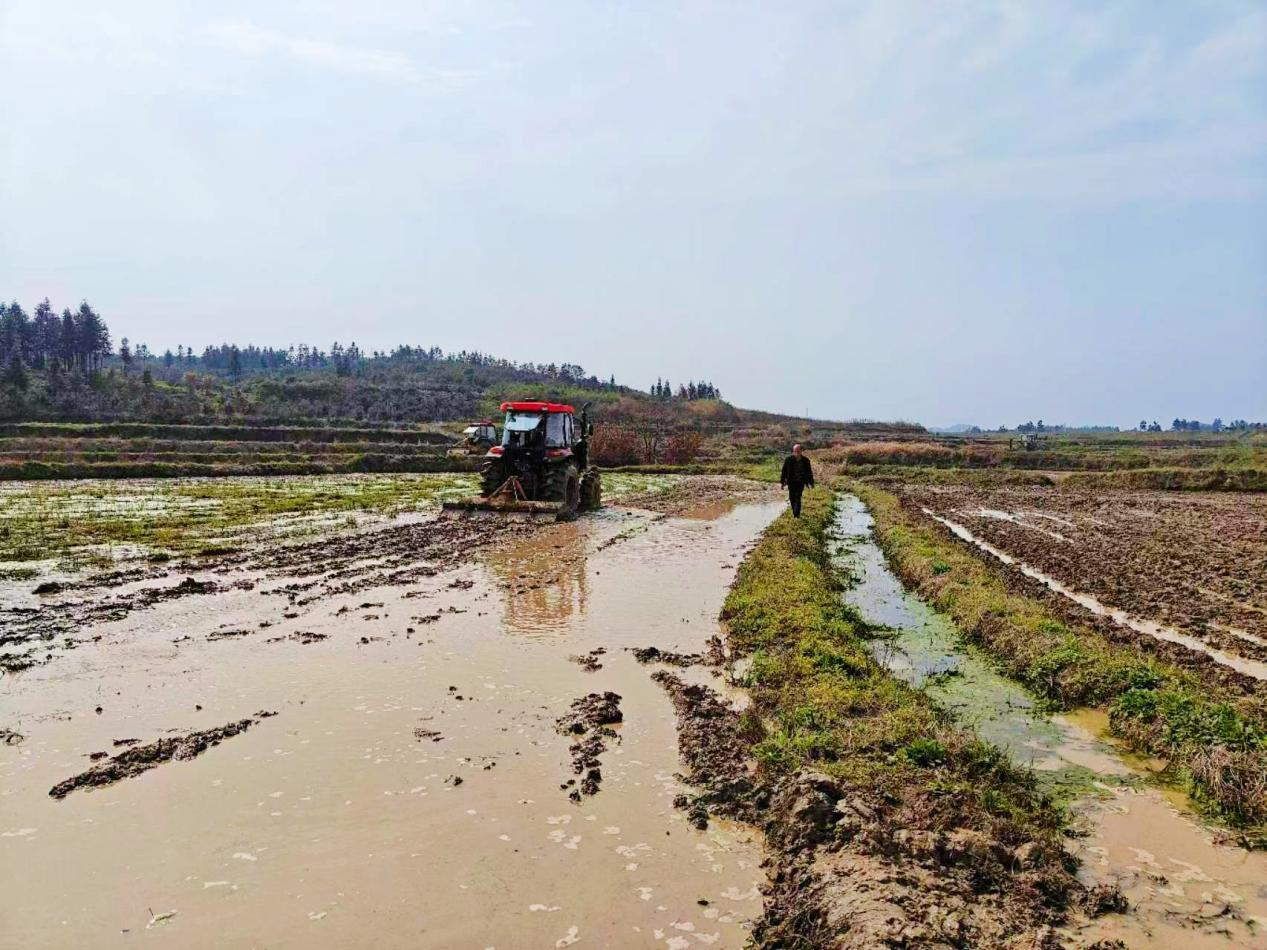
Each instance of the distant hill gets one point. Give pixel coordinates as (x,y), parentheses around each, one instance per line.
(67,369)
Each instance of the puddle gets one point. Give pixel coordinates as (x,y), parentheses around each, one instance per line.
(408,792)
(1255,668)
(1184,887)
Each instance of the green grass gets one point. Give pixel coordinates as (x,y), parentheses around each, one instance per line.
(821,701)
(1157,708)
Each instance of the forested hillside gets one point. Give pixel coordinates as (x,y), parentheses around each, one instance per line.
(65,368)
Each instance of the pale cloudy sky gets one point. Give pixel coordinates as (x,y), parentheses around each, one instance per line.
(944,211)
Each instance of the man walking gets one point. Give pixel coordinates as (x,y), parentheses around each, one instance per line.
(797,475)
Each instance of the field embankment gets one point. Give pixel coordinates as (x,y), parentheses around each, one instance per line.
(886,822)
(1215,462)
(1207,722)
(143,450)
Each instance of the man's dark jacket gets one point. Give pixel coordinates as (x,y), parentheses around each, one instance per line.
(796,472)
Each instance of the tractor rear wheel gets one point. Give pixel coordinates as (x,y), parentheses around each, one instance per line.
(492,476)
(563,484)
(591,489)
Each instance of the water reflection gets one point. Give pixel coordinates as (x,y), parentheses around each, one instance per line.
(542,579)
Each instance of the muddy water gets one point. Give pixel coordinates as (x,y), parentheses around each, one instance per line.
(1185,889)
(333,824)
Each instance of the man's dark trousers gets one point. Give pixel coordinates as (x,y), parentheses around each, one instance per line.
(794,495)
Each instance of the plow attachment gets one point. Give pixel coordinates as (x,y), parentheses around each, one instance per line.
(509,500)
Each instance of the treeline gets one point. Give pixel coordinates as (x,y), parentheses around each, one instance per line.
(65,369)
(44,341)
(1192,425)
(48,342)
(663,389)
(1178,425)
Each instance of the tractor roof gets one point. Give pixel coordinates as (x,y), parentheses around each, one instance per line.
(536,407)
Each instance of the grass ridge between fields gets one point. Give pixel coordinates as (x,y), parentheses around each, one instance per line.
(822,705)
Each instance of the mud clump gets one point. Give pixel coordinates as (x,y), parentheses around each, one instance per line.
(656,655)
(227,634)
(142,758)
(589,662)
(20,662)
(712,743)
(590,718)
(302,636)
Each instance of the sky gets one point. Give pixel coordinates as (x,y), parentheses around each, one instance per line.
(952,211)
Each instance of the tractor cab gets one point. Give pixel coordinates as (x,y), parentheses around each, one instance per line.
(538,426)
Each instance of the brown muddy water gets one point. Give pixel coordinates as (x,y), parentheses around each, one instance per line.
(411,789)
(1185,888)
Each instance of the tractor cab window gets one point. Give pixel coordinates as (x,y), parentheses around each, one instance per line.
(557,430)
(524,429)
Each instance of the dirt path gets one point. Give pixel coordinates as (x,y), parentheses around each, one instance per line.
(415,785)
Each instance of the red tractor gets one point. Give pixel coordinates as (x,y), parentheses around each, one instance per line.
(541,466)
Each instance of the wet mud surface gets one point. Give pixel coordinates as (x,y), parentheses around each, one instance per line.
(1192,560)
(407,792)
(703,496)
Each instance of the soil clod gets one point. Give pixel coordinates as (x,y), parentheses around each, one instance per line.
(590,718)
(589,661)
(142,758)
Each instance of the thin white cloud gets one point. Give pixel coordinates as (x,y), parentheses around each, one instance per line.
(248,39)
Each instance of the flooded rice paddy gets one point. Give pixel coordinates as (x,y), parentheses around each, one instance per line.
(1184,887)
(413,788)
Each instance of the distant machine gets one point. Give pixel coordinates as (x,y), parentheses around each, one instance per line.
(476,438)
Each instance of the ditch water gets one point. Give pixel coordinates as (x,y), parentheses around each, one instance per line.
(1181,883)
